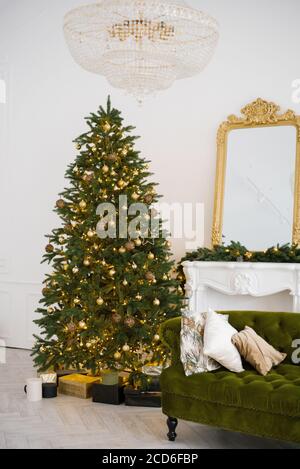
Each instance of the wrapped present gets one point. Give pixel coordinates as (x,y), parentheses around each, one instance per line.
(77,385)
(61,373)
(139,398)
(108,394)
(152,370)
(49,377)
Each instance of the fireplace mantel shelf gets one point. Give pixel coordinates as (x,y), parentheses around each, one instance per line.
(240,278)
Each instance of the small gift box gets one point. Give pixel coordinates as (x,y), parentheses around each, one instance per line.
(77,385)
(108,394)
(137,397)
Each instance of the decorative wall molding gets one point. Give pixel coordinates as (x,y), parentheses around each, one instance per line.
(18,303)
(240,279)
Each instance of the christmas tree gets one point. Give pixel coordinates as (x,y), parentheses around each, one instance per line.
(110,287)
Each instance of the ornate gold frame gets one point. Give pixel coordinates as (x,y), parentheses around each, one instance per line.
(259,113)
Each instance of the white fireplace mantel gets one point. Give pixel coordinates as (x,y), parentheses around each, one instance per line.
(257,279)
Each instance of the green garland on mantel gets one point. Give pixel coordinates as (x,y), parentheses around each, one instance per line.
(236,252)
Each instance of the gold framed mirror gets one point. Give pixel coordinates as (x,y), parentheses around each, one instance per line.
(257,186)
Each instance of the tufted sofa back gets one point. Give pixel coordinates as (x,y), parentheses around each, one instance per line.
(279,329)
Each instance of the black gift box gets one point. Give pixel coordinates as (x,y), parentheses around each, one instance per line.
(139,398)
(108,394)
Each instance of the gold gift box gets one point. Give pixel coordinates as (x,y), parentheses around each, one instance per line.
(77,385)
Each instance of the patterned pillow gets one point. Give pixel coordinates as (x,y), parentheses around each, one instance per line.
(191,344)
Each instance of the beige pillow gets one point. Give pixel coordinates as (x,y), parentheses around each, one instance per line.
(255,350)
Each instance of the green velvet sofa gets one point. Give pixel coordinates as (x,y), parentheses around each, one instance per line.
(267,406)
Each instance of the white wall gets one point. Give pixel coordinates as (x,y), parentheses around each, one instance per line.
(48,96)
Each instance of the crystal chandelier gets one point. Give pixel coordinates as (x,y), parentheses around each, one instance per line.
(141,46)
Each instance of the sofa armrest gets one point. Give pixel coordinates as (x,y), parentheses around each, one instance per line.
(170,336)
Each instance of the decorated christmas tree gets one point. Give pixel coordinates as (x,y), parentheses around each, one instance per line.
(111,285)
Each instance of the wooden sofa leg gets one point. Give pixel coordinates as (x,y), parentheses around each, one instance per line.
(172,424)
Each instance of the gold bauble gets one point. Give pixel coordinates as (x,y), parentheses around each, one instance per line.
(165,277)
(61,239)
(124,152)
(151,256)
(117,355)
(75,270)
(60,203)
(105,168)
(137,242)
(129,246)
(49,248)
(82,204)
(138,297)
(65,266)
(50,310)
(82,324)
(156,337)
(94,148)
(90,233)
(126,348)
(88,344)
(156,302)
(99,301)
(112,272)
(77,146)
(122,250)
(135,196)
(149,276)
(86,262)
(106,126)
(76,301)
(125,282)
(121,183)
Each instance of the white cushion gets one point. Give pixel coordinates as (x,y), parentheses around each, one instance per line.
(217,342)
(191,344)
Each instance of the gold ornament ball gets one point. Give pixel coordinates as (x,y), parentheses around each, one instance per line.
(82,324)
(82,204)
(112,272)
(105,168)
(88,344)
(129,321)
(49,248)
(61,239)
(77,146)
(86,262)
(129,246)
(65,266)
(50,310)
(106,126)
(156,302)
(151,256)
(135,196)
(90,233)
(116,318)
(156,337)
(138,297)
(137,242)
(126,348)
(150,276)
(42,349)
(117,355)
(125,282)
(121,183)
(60,203)
(124,152)
(99,301)
(76,301)
(122,250)
(75,270)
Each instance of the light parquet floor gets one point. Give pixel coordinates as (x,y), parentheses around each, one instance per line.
(67,422)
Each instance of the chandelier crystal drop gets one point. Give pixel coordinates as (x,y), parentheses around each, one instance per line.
(141,46)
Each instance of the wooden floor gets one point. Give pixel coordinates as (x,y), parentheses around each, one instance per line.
(67,422)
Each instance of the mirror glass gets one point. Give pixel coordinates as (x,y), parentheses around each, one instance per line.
(259,186)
